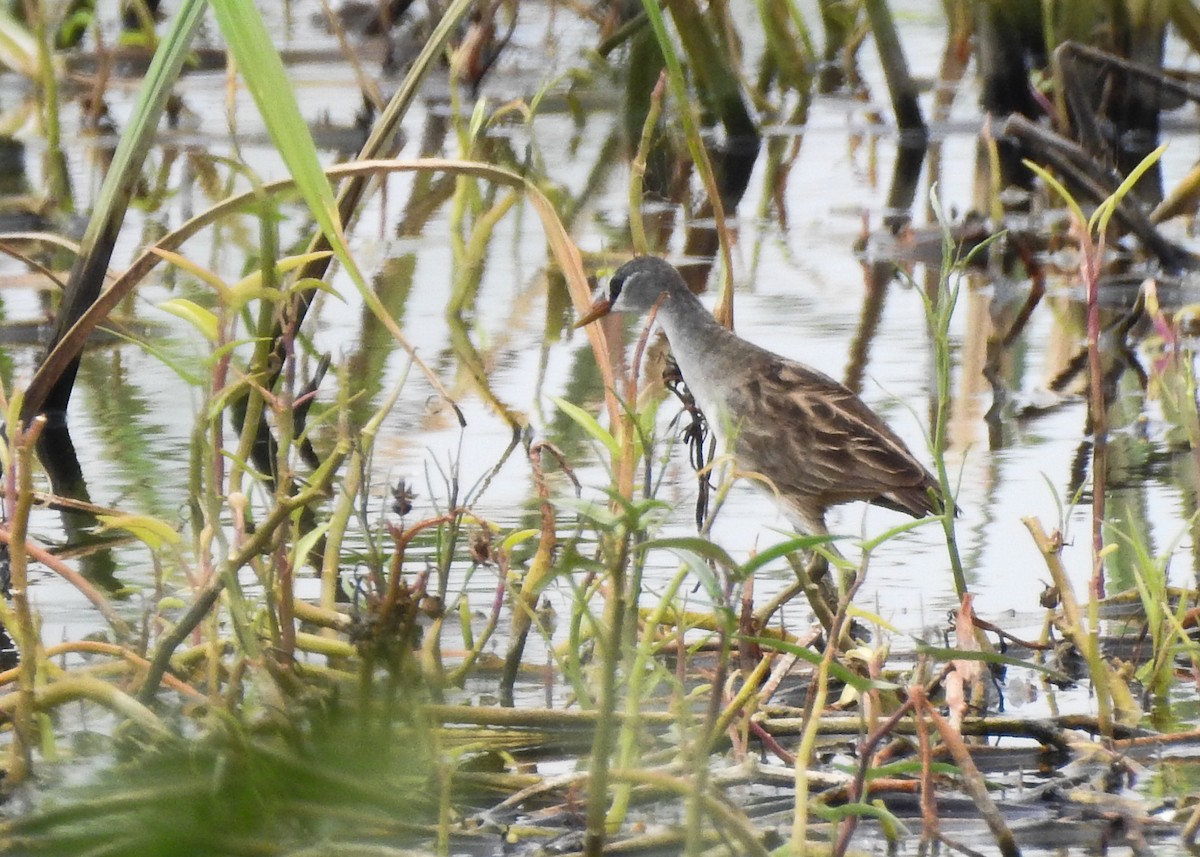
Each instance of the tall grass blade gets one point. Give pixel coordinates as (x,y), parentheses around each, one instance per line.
(267,81)
(18,48)
(51,387)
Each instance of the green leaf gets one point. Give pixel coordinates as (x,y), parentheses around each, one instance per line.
(944,654)
(201,273)
(18,48)
(306,542)
(694,545)
(905,768)
(517,537)
(589,424)
(862,810)
(253,281)
(1054,183)
(598,513)
(800,543)
(1104,213)
(162,356)
(266,79)
(305,284)
(120,180)
(151,531)
(856,612)
(837,670)
(196,315)
(703,572)
(891,533)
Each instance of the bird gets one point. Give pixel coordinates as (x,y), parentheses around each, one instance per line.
(806,437)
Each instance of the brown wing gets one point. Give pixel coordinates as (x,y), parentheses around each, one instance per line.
(821,445)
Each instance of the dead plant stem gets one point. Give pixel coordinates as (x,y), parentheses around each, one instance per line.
(859,787)
(972,780)
(637,169)
(255,545)
(1093,252)
(812,721)
(1085,639)
(19,485)
(606,725)
(86,589)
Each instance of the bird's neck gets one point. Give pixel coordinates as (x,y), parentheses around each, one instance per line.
(691,329)
(699,344)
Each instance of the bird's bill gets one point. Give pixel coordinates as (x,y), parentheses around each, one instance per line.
(598,309)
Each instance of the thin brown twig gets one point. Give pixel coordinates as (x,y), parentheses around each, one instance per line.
(972,780)
(859,789)
(40,554)
(929,814)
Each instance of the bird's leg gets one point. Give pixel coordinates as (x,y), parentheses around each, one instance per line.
(818,588)
(817,566)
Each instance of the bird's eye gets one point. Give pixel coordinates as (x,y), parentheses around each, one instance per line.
(614,287)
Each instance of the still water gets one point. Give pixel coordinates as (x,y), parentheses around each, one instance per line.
(800,291)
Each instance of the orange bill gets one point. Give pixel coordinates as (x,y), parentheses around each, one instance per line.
(599,309)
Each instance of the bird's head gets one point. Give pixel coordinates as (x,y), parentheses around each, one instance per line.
(635,287)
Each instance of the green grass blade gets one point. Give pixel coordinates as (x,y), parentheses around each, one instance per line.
(1058,188)
(18,48)
(589,424)
(267,81)
(693,544)
(1104,213)
(837,670)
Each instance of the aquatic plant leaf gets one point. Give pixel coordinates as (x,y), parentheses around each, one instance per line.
(83,307)
(837,670)
(241,297)
(198,271)
(904,768)
(598,513)
(266,79)
(517,537)
(800,543)
(196,315)
(702,570)
(478,117)
(307,542)
(562,248)
(696,545)
(589,424)
(1057,186)
(1104,212)
(162,356)
(305,284)
(151,531)
(856,612)
(18,49)
(950,654)
(875,810)
(287,264)
(891,533)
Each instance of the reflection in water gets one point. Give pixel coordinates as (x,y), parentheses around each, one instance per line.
(58,457)
(461,266)
(805,299)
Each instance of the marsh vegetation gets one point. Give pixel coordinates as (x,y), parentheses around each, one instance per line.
(327,533)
